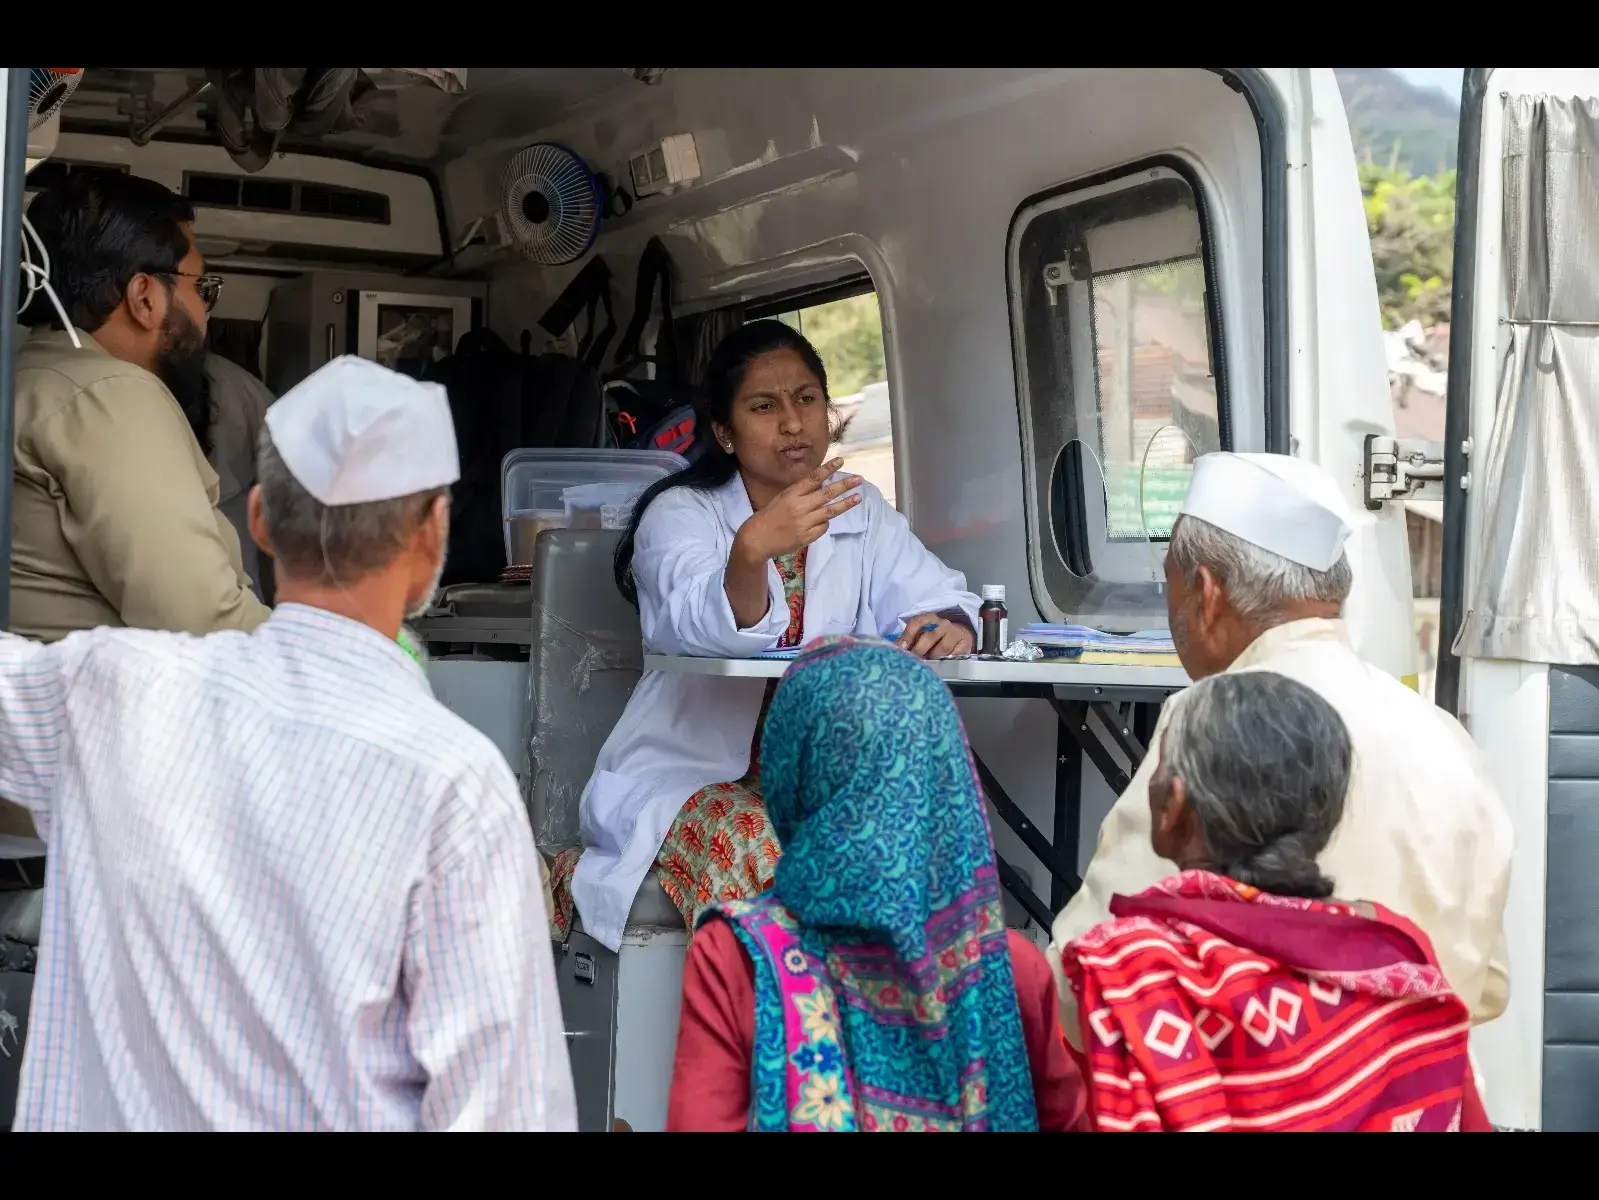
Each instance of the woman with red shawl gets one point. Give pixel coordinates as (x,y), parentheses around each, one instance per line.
(1238,994)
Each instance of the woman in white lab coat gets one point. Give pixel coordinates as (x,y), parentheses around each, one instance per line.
(758,545)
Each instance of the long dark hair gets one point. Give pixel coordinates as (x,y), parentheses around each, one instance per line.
(712,466)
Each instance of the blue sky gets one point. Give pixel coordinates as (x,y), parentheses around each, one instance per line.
(1445,79)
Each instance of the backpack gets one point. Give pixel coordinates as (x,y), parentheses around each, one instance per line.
(658,413)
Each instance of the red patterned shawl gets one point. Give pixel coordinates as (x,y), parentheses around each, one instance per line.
(1210,1005)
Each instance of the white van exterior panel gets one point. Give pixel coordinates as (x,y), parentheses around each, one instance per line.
(1505,705)
(1338,373)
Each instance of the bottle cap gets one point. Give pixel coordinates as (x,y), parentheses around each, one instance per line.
(994,591)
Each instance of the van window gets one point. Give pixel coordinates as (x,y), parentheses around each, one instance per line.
(1113,329)
(848,334)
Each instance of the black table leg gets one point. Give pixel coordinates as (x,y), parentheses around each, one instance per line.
(1119,727)
(1062,867)
(1068,823)
(1073,716)
(1128,728)
(1016,884)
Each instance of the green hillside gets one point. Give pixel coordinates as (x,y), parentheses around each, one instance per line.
(1388,117)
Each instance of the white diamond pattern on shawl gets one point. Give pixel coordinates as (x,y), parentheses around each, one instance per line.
(1107,1033)
(1169,1034)
(1258,1022)
(1213,1028)
(1406,1122)
(1285,1010)
(1329,994)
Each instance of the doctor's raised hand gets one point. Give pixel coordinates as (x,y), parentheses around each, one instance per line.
(797,515)
(786,524)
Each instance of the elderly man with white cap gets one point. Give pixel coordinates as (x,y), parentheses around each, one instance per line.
(288,889)
(1256,579)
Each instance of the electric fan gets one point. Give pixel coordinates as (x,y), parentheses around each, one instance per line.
(551,204)
(48,89)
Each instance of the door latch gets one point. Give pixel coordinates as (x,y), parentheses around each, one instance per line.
(1402,469)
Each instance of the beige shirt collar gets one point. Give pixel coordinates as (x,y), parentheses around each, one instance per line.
(1281,638)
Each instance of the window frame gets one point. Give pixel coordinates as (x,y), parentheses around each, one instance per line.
(776,304)
(1087,595)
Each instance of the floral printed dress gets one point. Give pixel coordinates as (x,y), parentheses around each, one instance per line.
(721,847)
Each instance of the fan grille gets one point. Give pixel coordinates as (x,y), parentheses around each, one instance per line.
(551,204)
(48,90)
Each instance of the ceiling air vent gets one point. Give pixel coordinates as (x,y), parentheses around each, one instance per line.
(254,194)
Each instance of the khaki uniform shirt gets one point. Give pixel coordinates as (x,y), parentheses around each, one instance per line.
(114,515)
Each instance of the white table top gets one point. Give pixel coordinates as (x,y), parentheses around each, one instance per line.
(956,670)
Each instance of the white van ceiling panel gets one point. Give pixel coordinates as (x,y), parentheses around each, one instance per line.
(412,230)
(421,115)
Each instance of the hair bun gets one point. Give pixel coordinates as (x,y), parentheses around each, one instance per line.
(1285,868)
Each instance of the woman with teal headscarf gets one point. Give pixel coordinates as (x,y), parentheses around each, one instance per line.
(875,987)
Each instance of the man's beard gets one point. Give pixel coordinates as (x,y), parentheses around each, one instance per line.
(425,602)
(180,364)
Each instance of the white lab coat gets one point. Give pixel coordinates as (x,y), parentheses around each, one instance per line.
(866,575)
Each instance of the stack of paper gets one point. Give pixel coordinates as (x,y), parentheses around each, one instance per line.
(1079,643)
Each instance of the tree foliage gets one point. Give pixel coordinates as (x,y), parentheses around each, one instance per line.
(1411,220)
(848,334)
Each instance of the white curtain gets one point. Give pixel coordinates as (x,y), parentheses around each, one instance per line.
(1536,596)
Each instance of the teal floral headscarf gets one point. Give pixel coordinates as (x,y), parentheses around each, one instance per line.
(888,879)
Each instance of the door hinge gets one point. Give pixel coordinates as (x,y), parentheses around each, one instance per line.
(1402,469)
(1073,268)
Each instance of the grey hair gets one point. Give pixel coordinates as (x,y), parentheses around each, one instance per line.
(339,544)
(1265,763)
(1259,584)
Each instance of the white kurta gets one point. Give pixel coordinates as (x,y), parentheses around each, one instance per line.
(288,890)
(866,575)
(1424,833)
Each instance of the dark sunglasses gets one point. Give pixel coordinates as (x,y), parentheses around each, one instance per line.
(208,286)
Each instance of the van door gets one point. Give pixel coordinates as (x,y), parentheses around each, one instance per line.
(1338,380)
(1533,720)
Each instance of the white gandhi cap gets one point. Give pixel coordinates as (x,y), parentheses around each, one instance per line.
(353,432)
(1285,505)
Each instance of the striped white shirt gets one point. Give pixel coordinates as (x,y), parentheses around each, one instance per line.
(287,889)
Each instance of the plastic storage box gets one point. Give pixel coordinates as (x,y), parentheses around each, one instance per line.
(587,488)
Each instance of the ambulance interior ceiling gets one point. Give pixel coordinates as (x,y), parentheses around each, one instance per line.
(413,133)
(781,196)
